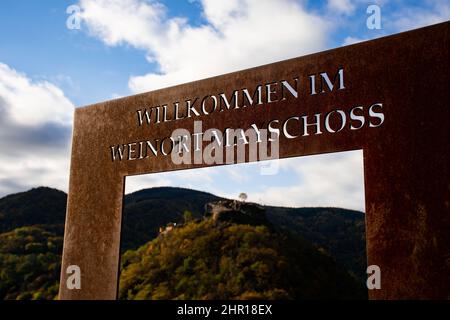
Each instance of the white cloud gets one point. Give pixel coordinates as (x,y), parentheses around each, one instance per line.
(200,179)
(352,40)
(341,6)
(334,180)
(36,116)
(139,182)
(400,16)
(415,17)
(33,103)
(138,23)
(35,129)
(323,180)
(236,35)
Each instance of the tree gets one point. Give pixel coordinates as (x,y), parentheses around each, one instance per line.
(205,260)
(187,215)
(243,196)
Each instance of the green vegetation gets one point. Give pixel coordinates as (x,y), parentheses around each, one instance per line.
(40,206)
(30,259)
(229,261)
(301,252)
(147,210)
(187,215)
(339,232)
(31,238)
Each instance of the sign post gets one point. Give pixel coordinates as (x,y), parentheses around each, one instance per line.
(389,97)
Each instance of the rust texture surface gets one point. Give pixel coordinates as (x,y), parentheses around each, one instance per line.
(405,159)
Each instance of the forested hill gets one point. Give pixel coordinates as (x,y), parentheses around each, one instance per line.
(40,206)
(32,226)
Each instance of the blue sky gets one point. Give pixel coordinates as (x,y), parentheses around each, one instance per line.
(35,40)
(130,46)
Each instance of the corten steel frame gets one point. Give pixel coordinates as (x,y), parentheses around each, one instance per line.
(405,160)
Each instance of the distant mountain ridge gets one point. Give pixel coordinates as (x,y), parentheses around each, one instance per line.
(337,232)
(340,231)
(148,209)
(38,206)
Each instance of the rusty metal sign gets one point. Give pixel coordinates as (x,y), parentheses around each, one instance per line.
(389,97)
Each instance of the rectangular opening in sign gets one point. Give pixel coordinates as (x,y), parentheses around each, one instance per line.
(280,229)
